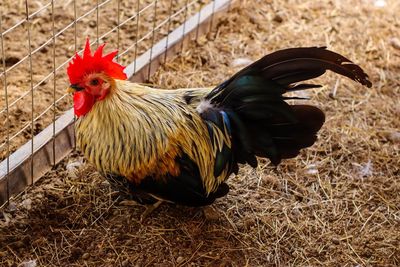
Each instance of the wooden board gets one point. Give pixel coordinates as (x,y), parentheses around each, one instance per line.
(20,172)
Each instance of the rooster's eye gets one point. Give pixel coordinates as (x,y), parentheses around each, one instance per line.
(94,82)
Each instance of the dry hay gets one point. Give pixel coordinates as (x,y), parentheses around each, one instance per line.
(337,204)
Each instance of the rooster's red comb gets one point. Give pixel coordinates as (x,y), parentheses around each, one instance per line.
(88,63)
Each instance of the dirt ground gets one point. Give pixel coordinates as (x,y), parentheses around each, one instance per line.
(336,204)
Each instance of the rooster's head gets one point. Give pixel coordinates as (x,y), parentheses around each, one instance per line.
(92,77)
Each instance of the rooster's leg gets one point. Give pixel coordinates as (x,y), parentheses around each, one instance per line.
(150,209)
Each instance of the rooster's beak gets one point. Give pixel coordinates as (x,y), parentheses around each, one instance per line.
(73,88)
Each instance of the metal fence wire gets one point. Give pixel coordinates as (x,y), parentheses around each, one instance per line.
(39,38)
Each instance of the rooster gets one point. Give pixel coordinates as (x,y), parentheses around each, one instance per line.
(182,145)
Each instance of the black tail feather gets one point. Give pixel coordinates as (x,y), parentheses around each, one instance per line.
(262,123)
(293,65)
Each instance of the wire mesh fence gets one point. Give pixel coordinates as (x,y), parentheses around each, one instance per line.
(39,38)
